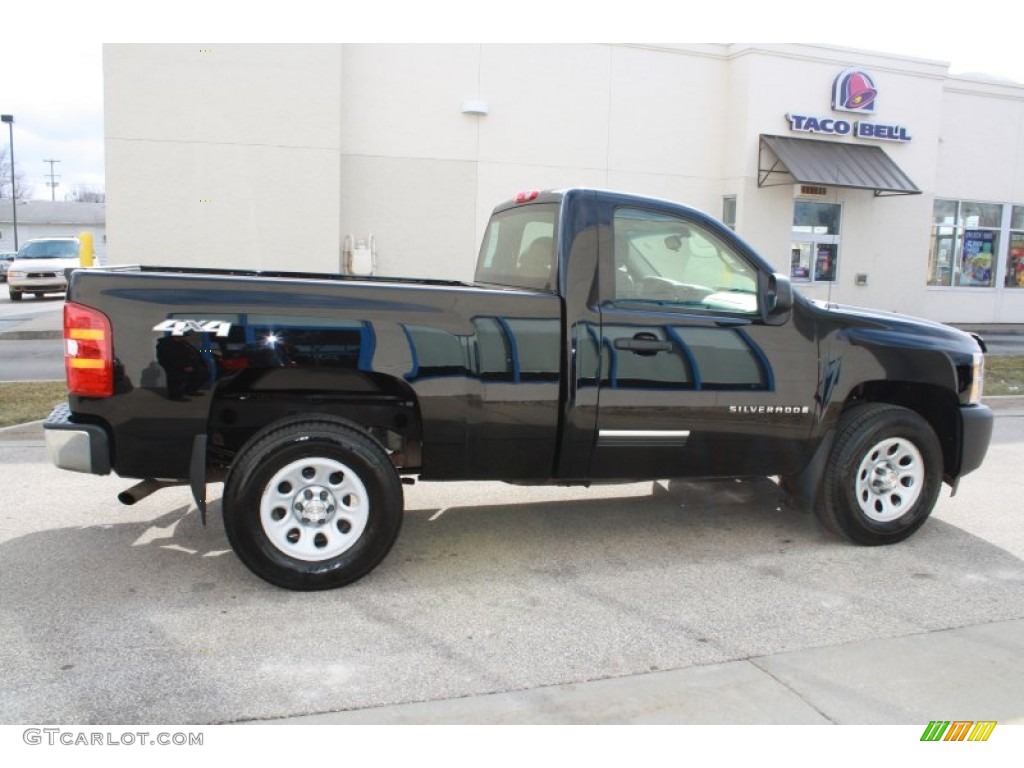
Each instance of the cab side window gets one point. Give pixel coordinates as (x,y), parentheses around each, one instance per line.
(665,260)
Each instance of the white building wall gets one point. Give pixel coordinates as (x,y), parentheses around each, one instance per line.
(884,238)
(225,156)
(266,157)
(980,157)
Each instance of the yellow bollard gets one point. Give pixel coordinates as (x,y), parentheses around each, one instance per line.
(85,249)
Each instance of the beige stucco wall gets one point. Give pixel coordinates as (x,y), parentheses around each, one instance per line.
(223,157)
(267,156)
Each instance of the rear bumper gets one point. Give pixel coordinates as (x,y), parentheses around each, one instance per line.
(976,431)
(76,447)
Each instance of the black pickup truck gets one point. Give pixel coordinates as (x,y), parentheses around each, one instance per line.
(606,337)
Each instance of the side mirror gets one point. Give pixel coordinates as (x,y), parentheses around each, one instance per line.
(777,299)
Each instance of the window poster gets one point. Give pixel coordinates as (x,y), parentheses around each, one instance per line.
(825,261)
(978,257)
(1015,267)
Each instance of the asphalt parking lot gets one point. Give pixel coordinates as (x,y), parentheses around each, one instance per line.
(663,602)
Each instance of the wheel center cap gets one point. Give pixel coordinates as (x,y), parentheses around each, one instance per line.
(314,505)
(314,511)
(885,479)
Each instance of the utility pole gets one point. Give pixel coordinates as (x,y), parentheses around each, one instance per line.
(52,183)
(9,119)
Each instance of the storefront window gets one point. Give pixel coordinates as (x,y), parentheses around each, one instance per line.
(945,213)
(815,250)
(964,244)
(1015,255)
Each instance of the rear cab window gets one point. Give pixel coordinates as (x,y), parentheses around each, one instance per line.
(518,249)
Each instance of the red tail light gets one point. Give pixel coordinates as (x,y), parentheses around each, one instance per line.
(88,351)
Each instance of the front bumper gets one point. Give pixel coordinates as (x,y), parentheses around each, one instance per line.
(42,285)
(76,447)
(976,433)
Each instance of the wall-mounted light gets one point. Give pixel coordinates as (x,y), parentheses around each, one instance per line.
(475,107)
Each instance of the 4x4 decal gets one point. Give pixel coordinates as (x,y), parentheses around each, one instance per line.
(181,327)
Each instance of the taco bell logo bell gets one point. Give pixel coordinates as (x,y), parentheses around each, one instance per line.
(854,91)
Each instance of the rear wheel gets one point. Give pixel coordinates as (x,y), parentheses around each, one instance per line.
(312,504)
(883,476)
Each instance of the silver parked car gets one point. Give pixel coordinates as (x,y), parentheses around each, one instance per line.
(39,266)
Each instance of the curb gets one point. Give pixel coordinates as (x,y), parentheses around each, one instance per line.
(21,426)
(30,335)
(1011,329)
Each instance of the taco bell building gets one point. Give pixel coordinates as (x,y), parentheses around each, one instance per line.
(869,178)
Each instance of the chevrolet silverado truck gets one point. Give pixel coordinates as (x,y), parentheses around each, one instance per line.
(606,337)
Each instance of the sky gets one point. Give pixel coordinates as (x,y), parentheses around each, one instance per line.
(51,73)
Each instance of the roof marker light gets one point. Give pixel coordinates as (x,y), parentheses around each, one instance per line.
(527,196)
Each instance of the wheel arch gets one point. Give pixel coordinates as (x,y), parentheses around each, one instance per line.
(378,404)
(935,404)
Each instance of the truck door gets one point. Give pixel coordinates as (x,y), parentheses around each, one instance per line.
(693,381)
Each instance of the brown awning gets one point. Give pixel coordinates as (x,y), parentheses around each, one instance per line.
(787,160)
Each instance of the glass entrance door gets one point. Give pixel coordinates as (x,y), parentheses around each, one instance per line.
(814,254)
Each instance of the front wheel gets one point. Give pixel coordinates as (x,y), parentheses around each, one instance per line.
(15,295)
(312,504)
(883,476)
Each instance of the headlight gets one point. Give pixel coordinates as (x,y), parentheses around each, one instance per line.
(977,378)
(19,274)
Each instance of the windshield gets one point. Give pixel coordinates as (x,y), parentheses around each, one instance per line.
(49,249)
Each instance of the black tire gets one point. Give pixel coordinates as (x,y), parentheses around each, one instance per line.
(15,295)
(312,504)
(883,476)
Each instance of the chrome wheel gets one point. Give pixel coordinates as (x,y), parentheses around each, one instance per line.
(314,509)
(890,479)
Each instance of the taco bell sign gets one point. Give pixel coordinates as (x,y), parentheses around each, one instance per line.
(853,91)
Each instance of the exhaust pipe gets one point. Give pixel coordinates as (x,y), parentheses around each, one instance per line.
(141,490)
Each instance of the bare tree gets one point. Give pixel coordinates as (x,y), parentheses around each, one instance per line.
(84,193)
(22,191)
